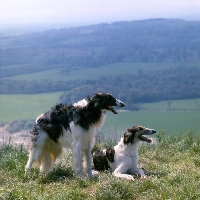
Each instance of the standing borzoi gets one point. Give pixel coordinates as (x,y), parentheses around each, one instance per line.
(123,158)
(72,126)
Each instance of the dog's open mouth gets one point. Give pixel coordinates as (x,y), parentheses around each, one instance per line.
(112,109)
(146,139)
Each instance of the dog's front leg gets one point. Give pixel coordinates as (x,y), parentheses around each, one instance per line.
(77,159)
(121,172)
(88,159)
(126,176)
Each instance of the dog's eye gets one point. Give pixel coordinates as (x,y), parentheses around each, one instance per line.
(109,96)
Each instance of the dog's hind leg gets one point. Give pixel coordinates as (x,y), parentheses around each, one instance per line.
(125,176)
(137,171)
(88,159)
(46,163)
(34,156)
(121,172)
(51,152)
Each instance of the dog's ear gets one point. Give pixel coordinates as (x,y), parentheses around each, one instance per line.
(129,135)
(128,138)
(96,98)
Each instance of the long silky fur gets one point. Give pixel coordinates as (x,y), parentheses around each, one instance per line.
(69,126)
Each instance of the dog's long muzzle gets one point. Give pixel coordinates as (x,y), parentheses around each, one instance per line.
(152,131)
(119,103)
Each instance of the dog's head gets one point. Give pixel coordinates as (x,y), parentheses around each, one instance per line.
(106,101)
(137,133)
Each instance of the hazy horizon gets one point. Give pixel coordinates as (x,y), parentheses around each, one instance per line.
(18,13)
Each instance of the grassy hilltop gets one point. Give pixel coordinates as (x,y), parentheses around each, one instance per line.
(173,165)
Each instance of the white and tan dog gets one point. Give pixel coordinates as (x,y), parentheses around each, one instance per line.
(123,158)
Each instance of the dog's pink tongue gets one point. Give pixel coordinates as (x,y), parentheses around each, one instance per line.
(112,109)
(149,140)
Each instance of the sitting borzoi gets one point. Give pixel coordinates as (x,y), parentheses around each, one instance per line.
(123,158)
(72,126)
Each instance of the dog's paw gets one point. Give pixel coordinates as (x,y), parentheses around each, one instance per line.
(143,176)
(125,176)
(95,173)
(131,178)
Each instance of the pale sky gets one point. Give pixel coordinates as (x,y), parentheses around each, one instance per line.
(83,11)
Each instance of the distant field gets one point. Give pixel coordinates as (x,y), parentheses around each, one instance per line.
(115,69)
(155,116)
(177,116)
(25,106)
(172,122)
(183,105)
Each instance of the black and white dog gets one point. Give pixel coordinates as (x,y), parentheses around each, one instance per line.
(123,158)
(72,126)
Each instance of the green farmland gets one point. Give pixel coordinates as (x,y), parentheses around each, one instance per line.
(172,122)
(177,116)
(172,116)
(114,69)
(24,106)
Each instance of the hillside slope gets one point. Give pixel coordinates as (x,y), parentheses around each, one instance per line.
(140,61)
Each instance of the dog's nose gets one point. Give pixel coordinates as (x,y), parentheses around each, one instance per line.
(119,103)
(154,131)
(122,104)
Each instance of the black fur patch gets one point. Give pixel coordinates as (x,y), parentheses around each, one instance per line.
(88,115)
(55,119)
(100,158)
(60,116)
(110,153)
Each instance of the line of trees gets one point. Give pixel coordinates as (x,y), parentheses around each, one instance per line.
(144,86)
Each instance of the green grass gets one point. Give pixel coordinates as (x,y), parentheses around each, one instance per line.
(173,165)
(115,69)
(25,106)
